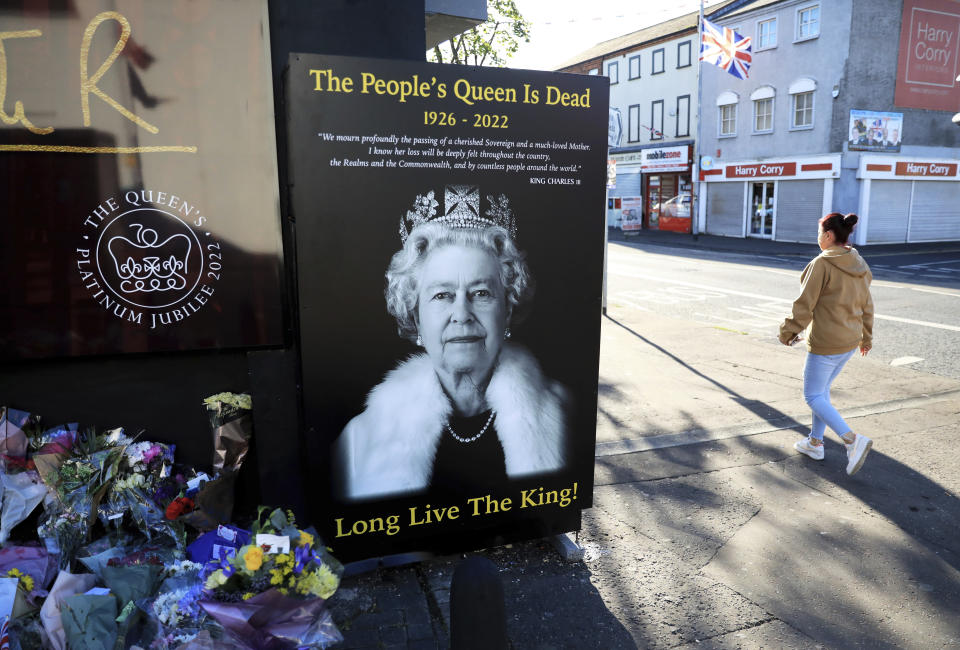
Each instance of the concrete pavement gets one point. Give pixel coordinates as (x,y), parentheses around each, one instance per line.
(708,530)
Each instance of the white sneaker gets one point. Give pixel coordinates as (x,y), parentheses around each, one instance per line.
(813,451)
(857,453)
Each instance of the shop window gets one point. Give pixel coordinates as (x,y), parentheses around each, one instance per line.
(634,67)
(808,22)
(802,110)
(656,120)
(633,123)
(656,65)
(613,71)
(683,54)
(683,116)
(766,34)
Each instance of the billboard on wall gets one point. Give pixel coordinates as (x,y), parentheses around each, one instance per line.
(140,207)
(927,67)
(875,131)
(450,253)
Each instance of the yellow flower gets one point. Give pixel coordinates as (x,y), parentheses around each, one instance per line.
(215,579)
(305,538)
(248,595)
(26,582)
(253,558)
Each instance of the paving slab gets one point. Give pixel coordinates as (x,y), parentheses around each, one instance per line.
(838,573)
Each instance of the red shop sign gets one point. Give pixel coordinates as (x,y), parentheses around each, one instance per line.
(926,169)
(763,169)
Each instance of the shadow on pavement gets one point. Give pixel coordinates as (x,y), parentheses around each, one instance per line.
(921,507)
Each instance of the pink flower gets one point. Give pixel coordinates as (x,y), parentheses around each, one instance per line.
(151,453)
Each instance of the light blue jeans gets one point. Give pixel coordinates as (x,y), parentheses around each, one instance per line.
(818,373)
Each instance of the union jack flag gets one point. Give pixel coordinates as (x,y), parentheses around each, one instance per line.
(4,635)
(724,47)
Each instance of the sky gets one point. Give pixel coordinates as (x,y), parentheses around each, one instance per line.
(563,28)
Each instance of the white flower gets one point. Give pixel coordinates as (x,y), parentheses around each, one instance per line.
(183,567)
(132,481)
(166,607)
(136,451)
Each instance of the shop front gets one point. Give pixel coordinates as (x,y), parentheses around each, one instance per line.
(908,199)
(778,199)
(666,196)
(629,188)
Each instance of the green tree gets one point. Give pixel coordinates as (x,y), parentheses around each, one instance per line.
(490,43)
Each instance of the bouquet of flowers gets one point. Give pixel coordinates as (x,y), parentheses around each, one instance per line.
(175,610)
(271,593)
(79,483)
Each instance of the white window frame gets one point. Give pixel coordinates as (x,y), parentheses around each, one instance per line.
(720,120)
(595,71)
(653,61)
(757,103)
(613,71)
(633,123)
(633,65)
(793,111)
(656,126)
(800,10)
(760,44)
(689,55)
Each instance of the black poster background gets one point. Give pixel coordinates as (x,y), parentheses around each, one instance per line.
(347,230)
(199,74)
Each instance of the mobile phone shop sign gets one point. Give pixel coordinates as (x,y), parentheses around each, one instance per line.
(451,398)
(143,208)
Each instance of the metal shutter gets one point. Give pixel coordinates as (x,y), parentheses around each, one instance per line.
(628,185)
(725,209)
(889,212)
(935,213)
(799,207)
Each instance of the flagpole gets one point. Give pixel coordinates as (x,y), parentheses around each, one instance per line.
(696,185)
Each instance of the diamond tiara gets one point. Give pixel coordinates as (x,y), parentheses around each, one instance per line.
(461,210)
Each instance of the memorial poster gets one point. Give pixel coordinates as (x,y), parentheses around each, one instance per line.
(138,178)
(450,232)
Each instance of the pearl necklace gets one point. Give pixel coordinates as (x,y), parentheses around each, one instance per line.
(482,431)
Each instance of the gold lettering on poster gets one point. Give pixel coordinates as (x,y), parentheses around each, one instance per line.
(19,114)
(89,84)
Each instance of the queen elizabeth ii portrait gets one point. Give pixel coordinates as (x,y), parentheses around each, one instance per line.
(471,408)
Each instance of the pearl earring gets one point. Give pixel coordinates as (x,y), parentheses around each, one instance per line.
(506,333)
(419,341)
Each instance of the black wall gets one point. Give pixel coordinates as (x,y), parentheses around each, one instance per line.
(162,393)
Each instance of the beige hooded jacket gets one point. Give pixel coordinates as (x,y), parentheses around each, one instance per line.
(835,301)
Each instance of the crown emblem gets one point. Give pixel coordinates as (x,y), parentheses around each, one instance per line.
(461,210)
(147,266)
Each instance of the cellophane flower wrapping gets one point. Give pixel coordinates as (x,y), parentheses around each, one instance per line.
(274,599)
(231,422)
(174,613)
(32,564)
(66,584)
(15,427)
(22,492)
(134,576)
(89,621)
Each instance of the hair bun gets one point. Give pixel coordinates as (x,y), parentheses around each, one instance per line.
(850,220)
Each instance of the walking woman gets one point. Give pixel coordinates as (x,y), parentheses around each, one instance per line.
(835,302)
